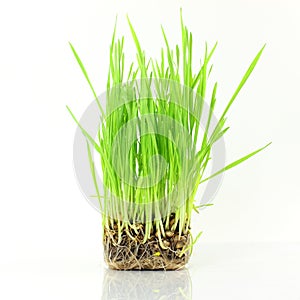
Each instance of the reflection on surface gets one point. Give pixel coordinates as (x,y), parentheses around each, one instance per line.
(144,285)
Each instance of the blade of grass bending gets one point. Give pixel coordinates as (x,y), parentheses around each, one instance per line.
(237,162)
(87,78)
(197,77)
(194,241)
(217,130)
(211,109)
(196,207)
(97,147)
(212,52)
(210,70)
(92,167)
(169,55)
(219,135)
(140,54)
(110,52)
(243,81)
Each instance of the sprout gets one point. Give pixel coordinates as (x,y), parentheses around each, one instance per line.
(155,143)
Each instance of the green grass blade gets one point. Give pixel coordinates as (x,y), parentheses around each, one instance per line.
(237,162)
(243,81)
(140,53)
(93,171)
(85,133)
(86,77)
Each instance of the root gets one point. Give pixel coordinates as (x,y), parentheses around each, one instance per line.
(132,252)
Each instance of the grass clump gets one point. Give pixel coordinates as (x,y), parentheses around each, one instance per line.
(155,143)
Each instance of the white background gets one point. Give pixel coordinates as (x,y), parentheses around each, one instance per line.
(50,242)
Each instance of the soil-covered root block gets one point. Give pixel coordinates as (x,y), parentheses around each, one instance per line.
(126,250)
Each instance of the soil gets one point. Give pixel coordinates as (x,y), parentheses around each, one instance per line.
(132,254)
